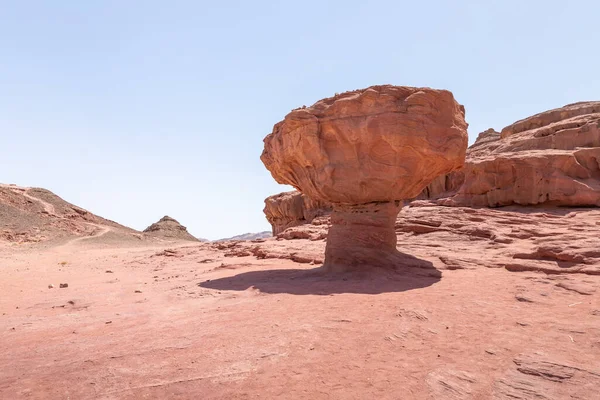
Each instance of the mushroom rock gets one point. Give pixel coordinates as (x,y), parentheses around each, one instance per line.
(364,152)
(289,209)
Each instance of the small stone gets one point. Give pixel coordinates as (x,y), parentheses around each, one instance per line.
(63,285)
(523,299)
(138,291)
(50,286)
(108,271)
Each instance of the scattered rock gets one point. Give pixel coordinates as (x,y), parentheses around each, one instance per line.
(169,253)
(523,299)
(450,384)
(63,285)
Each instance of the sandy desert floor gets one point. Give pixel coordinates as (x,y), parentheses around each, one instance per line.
(187,321)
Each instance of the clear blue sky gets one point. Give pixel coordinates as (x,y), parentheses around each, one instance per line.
(137,109)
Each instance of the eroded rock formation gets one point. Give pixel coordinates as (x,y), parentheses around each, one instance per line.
(288,209)
(364,151)
(551,158)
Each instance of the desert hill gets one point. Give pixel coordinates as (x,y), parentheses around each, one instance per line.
(168,227)
(248,236)
(32,215)
(35,215)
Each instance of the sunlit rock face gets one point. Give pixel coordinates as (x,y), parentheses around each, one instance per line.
(551,158)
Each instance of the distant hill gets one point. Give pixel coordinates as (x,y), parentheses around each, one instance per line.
(32,215)
(249,236)
(168,227)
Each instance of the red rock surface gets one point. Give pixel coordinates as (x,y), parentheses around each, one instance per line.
(550,158)
(365,151)
(288,209)
(553,240)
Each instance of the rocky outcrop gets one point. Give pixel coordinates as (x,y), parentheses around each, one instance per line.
(553,240)
(288,209)
(551,158)
(168,227)
(364,151)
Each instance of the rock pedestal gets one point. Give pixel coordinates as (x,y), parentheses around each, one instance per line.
(362,236)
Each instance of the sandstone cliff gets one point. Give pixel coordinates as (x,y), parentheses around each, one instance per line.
(551,158)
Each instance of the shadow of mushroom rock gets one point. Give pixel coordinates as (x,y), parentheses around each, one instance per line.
(412,273)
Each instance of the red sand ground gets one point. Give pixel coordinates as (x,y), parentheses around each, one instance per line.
(194,323)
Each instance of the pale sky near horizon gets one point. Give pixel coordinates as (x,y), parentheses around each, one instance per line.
(139,109)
